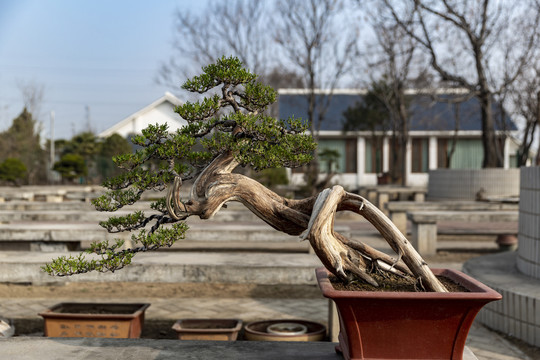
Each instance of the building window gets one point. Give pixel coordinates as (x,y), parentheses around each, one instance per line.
(351,155)
(346,150)
(373,155)
(468,154)
(420,155)
(345,162)
(442,153)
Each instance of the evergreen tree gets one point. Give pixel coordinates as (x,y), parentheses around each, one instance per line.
(12,170)
(71,167)
(110,147)
(22,141)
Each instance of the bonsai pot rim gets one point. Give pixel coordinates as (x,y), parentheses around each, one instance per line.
(477,290)
(51,312)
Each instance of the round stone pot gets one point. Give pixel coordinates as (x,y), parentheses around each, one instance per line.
(259,330)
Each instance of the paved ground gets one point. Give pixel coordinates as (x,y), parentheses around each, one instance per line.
(484,343)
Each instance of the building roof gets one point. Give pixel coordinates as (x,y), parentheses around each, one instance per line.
(426,114)
(168,97)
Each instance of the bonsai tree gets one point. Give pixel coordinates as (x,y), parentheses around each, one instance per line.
(230,127)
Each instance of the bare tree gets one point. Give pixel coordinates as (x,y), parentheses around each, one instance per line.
(32,95)
(396,58)
(482,46)
(237,27)
(317,40)
(526,99)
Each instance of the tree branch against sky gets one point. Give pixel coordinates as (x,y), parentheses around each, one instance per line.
(319,41)
(469,42)
(526,98)
(237,27)
(394,63)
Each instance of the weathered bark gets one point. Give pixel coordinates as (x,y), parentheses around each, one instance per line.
(312,218)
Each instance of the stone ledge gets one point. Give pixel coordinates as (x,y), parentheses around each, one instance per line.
(142,349)
(173,267)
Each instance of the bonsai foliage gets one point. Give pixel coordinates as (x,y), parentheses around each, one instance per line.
(227,128)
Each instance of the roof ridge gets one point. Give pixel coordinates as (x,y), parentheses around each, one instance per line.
(363,91)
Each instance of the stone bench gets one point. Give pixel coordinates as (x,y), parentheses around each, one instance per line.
(52,194)
(424,225)
(207,235)
(398,210)
(382,194)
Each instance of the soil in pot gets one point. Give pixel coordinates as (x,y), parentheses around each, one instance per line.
(391,283)
(286,328)
(89,308)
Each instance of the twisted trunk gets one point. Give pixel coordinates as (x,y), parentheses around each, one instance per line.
(312,218)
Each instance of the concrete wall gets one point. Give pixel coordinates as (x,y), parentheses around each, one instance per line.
(528,261)
(515,275)
(464,184)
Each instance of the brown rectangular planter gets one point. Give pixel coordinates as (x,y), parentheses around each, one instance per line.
(94,320)
(208,329)
(407,325)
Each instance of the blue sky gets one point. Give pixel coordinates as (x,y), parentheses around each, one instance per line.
(102,54)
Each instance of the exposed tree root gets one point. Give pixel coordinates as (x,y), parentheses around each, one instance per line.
(312,218)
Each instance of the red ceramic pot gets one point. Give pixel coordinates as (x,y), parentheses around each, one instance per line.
(407,325)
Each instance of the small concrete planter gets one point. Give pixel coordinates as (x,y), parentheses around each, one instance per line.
(208,329)
(94,320)
(407,325)
(284,330)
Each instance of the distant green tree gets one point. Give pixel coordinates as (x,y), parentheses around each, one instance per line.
(114,145)
(71,166)
(382,109)
(329,157)
(272,177)
(85,145)
(22,141)
(110,147)
(12,170)
(370,113)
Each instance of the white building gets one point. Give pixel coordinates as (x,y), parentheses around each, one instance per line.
(432,131)
(160,111)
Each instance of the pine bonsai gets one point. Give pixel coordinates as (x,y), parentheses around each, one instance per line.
(230,127)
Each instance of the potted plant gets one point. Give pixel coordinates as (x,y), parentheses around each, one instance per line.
(226,129)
